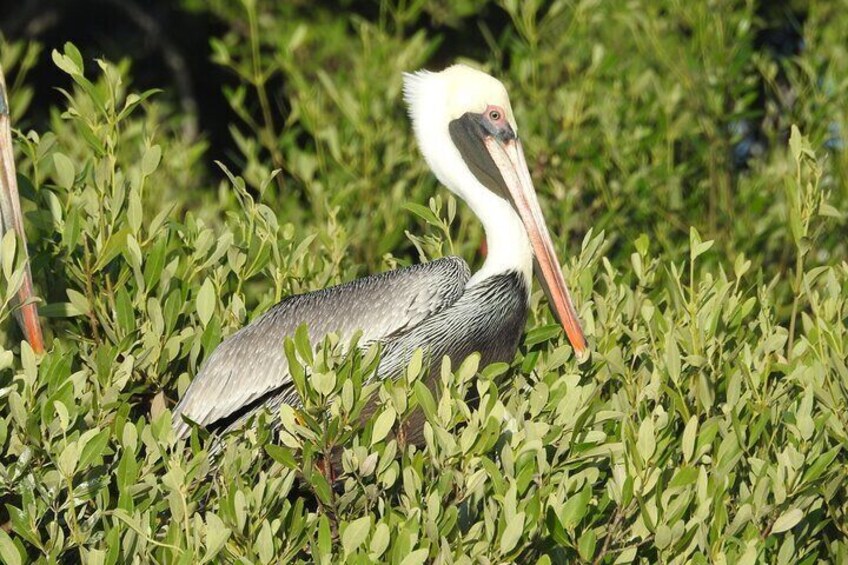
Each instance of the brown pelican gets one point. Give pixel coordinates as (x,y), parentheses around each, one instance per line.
(466,130)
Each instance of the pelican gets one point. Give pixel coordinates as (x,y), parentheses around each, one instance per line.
(466,131)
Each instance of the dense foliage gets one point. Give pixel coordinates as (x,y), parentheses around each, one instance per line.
(709,425)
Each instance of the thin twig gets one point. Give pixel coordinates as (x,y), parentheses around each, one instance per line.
(611,532)
(89,293)
(268,130)
(799,277)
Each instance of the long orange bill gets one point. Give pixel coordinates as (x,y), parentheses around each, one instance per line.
(12,219)
(509,159)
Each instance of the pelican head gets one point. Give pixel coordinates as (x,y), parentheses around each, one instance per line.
(466,130)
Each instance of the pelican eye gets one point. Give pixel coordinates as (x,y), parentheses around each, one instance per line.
(494,115)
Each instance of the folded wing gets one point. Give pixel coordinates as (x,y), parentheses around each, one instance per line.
(251,364)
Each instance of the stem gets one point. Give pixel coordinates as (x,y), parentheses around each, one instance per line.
(73,523)
(89,294)
(330,512)
(617,517)
(799,274)
(693,308)
(268,128)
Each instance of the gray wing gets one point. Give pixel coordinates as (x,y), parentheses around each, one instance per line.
(251,363)
(487,319)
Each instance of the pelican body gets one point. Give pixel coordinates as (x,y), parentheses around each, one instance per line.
(465,128)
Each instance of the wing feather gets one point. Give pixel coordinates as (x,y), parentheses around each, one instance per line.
(251,363)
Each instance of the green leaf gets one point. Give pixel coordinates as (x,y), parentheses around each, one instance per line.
(542,334)
(662,537)
(822,463)
(512,533)
(424,213)
(416,362)
(696,246)
(265,543)
(65,63)
(74,55)
(155,261)
(302,343)
(91,139)
(205,303)
(150,160)
(323,382)
(575,507)
(8,249)
(8,552)
(672,357)
(296,370)
(417,557)
(282,455)
(21,522)
(425,399)
(135,212)
(555,528)
(127,471)
(741,265)
(355,533)
(240,510)
(383,425)
(217,535)
(829,211)
(325,537)
(586,545)
(114,246)
(93,450)
(59,310)
(786,555)
(64,170)
(6,360)
(29,362)
(379,541)
(124,310)
(133,100)
(646,441)
(690,433)
(684,476)
(68,459)
(795,142)
(642,243)
(787,520)
(322,487)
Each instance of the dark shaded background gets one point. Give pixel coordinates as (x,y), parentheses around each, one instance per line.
(167,44)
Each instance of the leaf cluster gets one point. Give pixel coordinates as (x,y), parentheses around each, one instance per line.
(709,424)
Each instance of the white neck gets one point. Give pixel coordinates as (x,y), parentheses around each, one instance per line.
(506,238)
(508,247)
